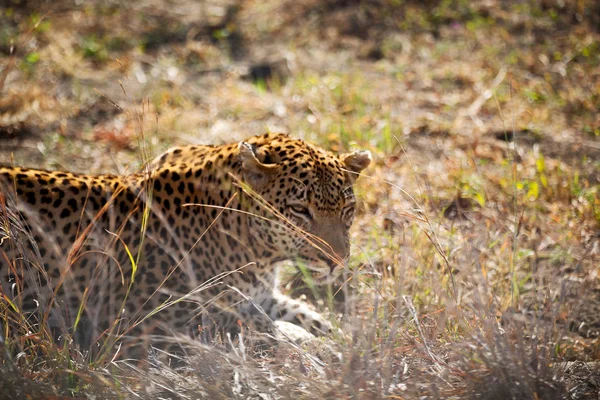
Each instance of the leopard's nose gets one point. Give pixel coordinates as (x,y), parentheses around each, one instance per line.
(339,247)
(341,250)
(334,235)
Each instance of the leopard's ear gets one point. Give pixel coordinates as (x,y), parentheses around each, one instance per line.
(255,173)
(355,162)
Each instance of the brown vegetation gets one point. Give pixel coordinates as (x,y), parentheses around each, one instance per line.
(476,260)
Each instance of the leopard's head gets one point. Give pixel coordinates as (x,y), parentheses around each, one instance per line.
(303,199)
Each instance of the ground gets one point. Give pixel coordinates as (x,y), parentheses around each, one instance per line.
(477,244)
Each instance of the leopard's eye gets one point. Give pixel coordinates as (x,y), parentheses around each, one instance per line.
(348,212)
(300,210)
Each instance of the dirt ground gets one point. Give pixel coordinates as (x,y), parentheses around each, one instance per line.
(476,260)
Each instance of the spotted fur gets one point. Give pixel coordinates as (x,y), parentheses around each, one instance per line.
(205,226)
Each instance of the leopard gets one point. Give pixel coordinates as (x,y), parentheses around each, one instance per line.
(191,243)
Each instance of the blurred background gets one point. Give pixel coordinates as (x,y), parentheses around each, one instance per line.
(87,76)
(482,203)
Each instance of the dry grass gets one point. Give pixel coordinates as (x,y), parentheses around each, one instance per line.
(476,248)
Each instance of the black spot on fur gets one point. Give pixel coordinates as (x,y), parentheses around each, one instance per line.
(31,198)
(73,204)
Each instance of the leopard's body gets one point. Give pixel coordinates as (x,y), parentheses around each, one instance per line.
(197,235)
